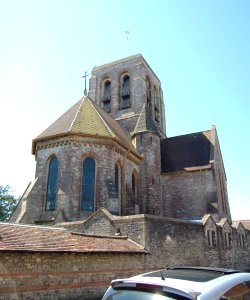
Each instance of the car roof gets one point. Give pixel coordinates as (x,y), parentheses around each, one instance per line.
(198,274)
(191,284)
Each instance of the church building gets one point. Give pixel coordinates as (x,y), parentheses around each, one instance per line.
(114,196)
(110,150)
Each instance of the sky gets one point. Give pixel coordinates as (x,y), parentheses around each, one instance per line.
(200,51)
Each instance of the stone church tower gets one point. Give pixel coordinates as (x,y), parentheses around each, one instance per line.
(110,150)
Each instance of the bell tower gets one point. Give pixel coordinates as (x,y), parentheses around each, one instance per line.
(123,87)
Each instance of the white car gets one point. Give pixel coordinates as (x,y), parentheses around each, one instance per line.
(183,283)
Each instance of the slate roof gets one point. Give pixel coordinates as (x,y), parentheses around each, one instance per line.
(186,151)
(29,238)
(86,118)
(145,122)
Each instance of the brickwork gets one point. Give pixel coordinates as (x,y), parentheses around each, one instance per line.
(173,242)
(150,183)
(139,71)
(70,158)
(188,194)
(63,276)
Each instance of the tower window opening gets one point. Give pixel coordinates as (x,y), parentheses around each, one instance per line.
(106,97)
(125,92)
(149,104)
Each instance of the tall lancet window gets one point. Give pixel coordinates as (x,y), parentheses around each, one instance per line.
(125,92)
(106,97)
(52,185)
(117,179)
(148,86)
(156,103)
(88,184)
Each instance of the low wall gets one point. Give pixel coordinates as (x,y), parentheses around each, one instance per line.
(63,276)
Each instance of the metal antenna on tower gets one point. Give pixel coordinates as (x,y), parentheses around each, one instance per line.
(127,33)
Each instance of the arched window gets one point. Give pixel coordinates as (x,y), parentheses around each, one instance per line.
(52,185)
(88,184)
(125,92)
(106,97)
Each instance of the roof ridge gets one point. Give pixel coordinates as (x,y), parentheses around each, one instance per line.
(31,226)
(76,115)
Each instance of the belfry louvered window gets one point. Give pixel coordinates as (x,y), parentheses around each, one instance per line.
(88,184)
(52,185)
(106,97)
(125,92)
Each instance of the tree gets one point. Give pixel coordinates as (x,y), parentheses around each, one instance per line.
(7,203)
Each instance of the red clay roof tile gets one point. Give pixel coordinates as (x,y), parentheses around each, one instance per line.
(29,238)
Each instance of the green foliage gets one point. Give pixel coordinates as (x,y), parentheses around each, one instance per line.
(7,203)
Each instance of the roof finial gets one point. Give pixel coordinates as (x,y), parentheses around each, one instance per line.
(85,89)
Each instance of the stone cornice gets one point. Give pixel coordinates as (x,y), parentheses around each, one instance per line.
(69,139)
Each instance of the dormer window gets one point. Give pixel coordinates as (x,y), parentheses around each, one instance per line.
(125,92)
(106,97)
(211,237)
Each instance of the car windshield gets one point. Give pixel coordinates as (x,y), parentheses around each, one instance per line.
(140,295)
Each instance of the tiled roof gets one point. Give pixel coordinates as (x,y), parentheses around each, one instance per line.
(185,151)
(87,118)
(145,122)
(238,224)
(29,238)
(246,224)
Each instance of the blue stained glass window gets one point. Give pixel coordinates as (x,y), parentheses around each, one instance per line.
(52,185)
(88,184)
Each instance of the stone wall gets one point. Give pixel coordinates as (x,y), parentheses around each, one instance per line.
(174,242)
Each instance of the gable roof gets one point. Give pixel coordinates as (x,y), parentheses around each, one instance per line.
(29,238)
(145,122)
(206,218)
(186,151)
(246,224)
(86,118)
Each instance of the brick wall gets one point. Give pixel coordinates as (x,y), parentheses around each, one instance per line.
(63,276)
(187,194)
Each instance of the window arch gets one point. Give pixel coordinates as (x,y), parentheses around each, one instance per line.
(88,184)
(52,184)
(106,95)
(125,92)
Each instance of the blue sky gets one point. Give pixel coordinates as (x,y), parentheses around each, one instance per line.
(200,50)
